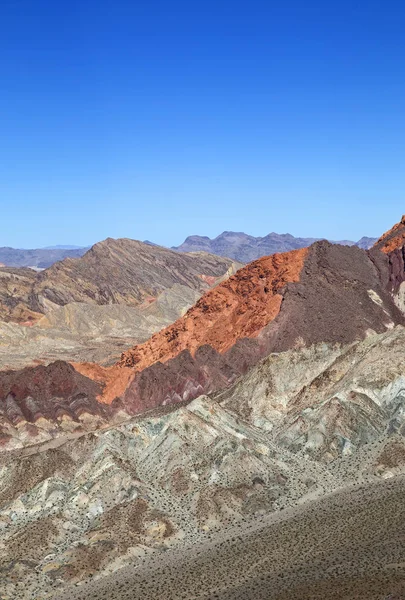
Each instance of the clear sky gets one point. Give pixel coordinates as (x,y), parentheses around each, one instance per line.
(157,120)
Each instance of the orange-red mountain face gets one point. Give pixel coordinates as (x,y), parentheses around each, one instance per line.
(326,293)
(392,239)
(307,295)
(238,308)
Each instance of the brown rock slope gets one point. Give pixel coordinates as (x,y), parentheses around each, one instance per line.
(15,291)
(112,272)
(392,244)
(127,272)
(41,402)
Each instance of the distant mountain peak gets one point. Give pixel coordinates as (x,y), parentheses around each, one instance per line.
(245,248)
(64,247)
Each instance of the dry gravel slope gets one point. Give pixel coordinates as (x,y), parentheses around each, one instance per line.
(343,547)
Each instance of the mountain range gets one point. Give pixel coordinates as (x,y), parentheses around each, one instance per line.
(40,258)
(252,448)
(245,248)
(239,246)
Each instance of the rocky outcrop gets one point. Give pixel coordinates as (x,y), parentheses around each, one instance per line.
(15,295)
(38,403)
(392,244)
(326,401)
(238,308)
(392,239)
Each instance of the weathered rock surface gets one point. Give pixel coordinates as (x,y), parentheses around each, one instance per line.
(15,295)
(392,239)
(326,401)
(39,403)
(104,500)
(240,307)
(87,332)
(89,504)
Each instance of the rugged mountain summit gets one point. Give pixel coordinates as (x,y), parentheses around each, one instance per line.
(327,293)
(112,272)
(125,272)
(392,239)
(245,248)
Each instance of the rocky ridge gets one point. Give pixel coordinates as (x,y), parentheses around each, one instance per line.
(124,272)
(327,293)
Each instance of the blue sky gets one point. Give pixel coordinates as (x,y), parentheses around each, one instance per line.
(156,120)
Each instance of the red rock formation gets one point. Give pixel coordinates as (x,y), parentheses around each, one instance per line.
(237,308)
(392,239)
